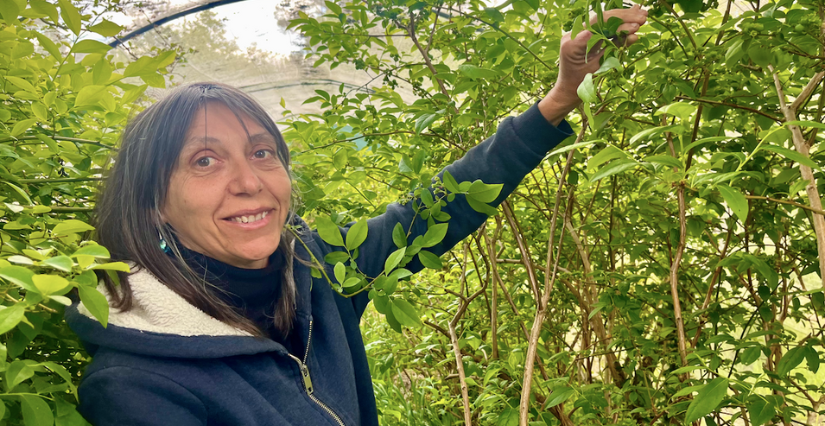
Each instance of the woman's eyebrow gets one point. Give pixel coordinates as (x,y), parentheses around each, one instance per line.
(205,140)
(262,137)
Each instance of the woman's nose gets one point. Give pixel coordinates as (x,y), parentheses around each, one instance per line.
(244,180)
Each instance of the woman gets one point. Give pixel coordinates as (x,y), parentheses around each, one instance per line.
(221,321)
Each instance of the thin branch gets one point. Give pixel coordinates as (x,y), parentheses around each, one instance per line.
(708,101)
(497,28)
(807,91)
(806,172)
(549,280)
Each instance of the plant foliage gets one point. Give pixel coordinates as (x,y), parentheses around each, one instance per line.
(64,103)
(684,276)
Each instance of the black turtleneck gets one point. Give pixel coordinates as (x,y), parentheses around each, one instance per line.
(252,292)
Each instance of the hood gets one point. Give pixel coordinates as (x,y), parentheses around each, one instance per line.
(162,323)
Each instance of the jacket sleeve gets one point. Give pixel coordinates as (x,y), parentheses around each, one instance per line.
(519,146)
(127,396)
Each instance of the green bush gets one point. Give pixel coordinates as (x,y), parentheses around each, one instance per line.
(64,103)
(681,279)
(681,284)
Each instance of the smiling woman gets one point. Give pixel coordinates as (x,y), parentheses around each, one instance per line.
(229,193)
(224,319)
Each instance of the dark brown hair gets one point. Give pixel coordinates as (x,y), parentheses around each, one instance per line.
(128,218)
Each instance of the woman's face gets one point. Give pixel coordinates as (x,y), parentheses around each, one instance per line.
(229,194)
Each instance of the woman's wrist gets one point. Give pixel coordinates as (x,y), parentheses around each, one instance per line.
(556,105)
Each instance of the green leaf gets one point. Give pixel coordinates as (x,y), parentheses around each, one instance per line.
(790,360)
(609,64)
(20,276)
(18,372)
(391,320)
(450,182)
(667,160)
(71,17)
(760,55)
(577,27)
(36,412)
(614,167)
(393,260)
(112,266)
(430,260)
(494,14)
(481,207)
(328,231)
(390,284)
(399,236)
(94,250)
(609,152)
(22,126)
(340,272)
(735,200)
(96,303)
(400,273)
(10,11)
(336,256)
(22,193)
(483,192)
(21,83)
(405,313)
(559,396)
(791,155)
(709,397)
(750,355)
(89,95)
(475,72)
(806,124)
(106,28)
(812,358)
(356,235)
(704,141)
(351,282)
(508,417)
(90,46)
(572,147)
(586,90)
(760,409)
(48,284)
(10,317)
(61,263)
(682,110)
(435,234)
(71,226)
(650,133)
(424,121)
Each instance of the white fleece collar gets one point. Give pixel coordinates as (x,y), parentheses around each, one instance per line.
(156,308)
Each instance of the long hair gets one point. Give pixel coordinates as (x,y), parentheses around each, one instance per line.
(128,218)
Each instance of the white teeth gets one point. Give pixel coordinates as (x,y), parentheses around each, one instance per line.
(250,218)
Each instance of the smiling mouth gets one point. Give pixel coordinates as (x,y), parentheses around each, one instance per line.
(250,218)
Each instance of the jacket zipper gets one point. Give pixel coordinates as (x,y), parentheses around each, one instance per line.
(302,365)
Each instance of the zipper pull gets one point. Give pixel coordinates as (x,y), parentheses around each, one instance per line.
(307,379)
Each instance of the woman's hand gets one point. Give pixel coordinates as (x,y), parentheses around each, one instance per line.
(575,63)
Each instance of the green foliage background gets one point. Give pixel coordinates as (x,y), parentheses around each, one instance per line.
(683,276)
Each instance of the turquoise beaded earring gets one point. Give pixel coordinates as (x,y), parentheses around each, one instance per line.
(163,245)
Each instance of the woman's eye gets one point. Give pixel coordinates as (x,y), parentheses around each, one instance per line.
(263,153)
(205,161)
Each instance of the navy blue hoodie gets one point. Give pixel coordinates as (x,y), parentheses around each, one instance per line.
(165,362)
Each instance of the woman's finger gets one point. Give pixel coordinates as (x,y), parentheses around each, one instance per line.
(628,28)
(633,15)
